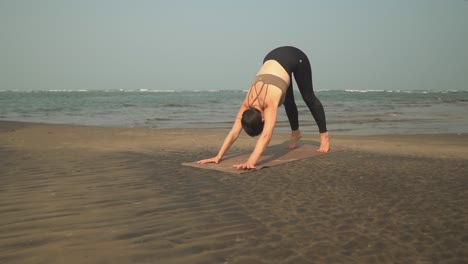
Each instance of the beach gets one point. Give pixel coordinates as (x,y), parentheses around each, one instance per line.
(91,194)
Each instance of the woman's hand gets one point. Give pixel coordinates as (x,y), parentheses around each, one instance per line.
(211,160)
(245,166)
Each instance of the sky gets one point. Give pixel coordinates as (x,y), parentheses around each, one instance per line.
(220,45)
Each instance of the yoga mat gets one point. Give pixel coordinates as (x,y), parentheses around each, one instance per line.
(273,156)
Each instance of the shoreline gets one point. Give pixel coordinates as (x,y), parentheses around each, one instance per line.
(421,145)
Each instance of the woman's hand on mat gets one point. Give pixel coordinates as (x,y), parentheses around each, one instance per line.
(245,166)
(211,160)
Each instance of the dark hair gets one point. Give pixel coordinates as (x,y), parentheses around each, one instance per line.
(252,122)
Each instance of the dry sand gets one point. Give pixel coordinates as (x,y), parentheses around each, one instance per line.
(77,194)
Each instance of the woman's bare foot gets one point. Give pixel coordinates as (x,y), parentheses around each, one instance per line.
(324,143)
(295,136)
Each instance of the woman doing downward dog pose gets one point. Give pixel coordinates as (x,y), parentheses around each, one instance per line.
(271,88)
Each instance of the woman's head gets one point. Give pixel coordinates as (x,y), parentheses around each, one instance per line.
(252,122)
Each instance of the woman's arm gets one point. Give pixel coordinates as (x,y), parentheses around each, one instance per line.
(230,138)
(270,114)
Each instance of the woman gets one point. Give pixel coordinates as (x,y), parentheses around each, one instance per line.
(271,88)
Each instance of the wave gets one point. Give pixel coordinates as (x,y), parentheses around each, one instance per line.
(156,91)
(120,90)
(226,91)
(404,91)
(90,90)
(363,91)
(48,91)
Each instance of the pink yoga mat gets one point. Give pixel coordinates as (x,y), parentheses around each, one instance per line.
(273,156)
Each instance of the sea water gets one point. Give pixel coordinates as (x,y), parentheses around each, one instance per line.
(348,112)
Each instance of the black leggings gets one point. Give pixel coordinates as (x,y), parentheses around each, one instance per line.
(294,61)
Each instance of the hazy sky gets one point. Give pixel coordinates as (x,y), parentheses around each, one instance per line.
(211,45)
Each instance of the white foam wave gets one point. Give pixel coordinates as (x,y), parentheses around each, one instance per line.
(363,91)
(403,91)
(156,91)
(242,91)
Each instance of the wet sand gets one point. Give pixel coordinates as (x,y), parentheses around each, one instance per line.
(77,194)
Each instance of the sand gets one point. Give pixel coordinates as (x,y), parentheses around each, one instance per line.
(78,194)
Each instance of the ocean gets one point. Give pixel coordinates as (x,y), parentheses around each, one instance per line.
(348,112)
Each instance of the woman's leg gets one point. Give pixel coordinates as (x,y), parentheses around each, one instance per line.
(291,108)
(303,77)
(293,117)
